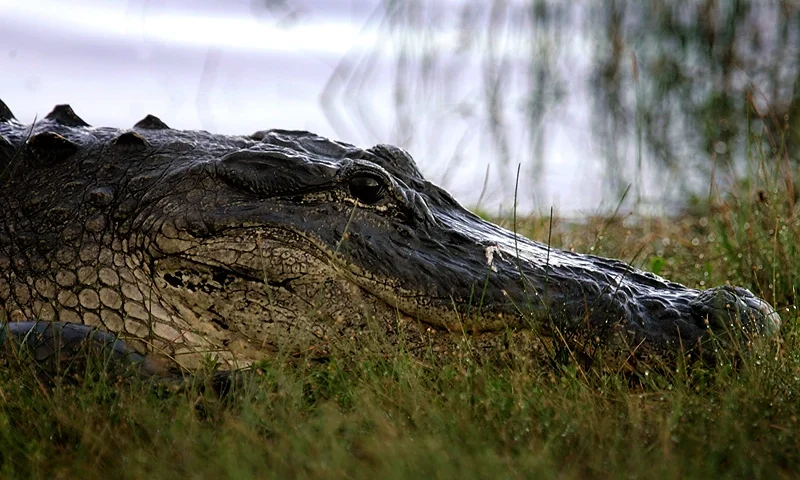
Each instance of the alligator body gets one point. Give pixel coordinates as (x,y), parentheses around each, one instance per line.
(186,243)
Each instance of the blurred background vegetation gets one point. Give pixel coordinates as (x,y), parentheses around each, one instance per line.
(678,93)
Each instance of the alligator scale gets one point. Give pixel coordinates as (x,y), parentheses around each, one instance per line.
(186,243)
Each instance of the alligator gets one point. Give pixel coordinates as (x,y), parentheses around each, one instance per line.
(186,244)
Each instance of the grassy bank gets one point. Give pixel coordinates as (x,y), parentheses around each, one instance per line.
(401,417)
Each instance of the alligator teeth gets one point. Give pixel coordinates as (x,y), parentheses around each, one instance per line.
(5,113)
(49,147)
(490,251)
(64,115)
(131,138)
(151,122)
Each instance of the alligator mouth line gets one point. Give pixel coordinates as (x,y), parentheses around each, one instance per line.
(438,312)
(202,273)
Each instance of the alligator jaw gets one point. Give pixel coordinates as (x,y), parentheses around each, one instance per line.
(499,280)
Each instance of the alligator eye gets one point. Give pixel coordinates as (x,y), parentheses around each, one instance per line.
(366,188)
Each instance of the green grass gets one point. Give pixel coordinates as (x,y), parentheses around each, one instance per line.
(401,417)
(397,418)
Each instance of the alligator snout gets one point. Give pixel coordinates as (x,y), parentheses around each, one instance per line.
(727,308)
(591,296)
(650,309)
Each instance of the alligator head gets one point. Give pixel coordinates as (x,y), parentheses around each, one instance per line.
(285,240)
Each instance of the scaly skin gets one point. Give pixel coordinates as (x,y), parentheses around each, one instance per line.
(186,243)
